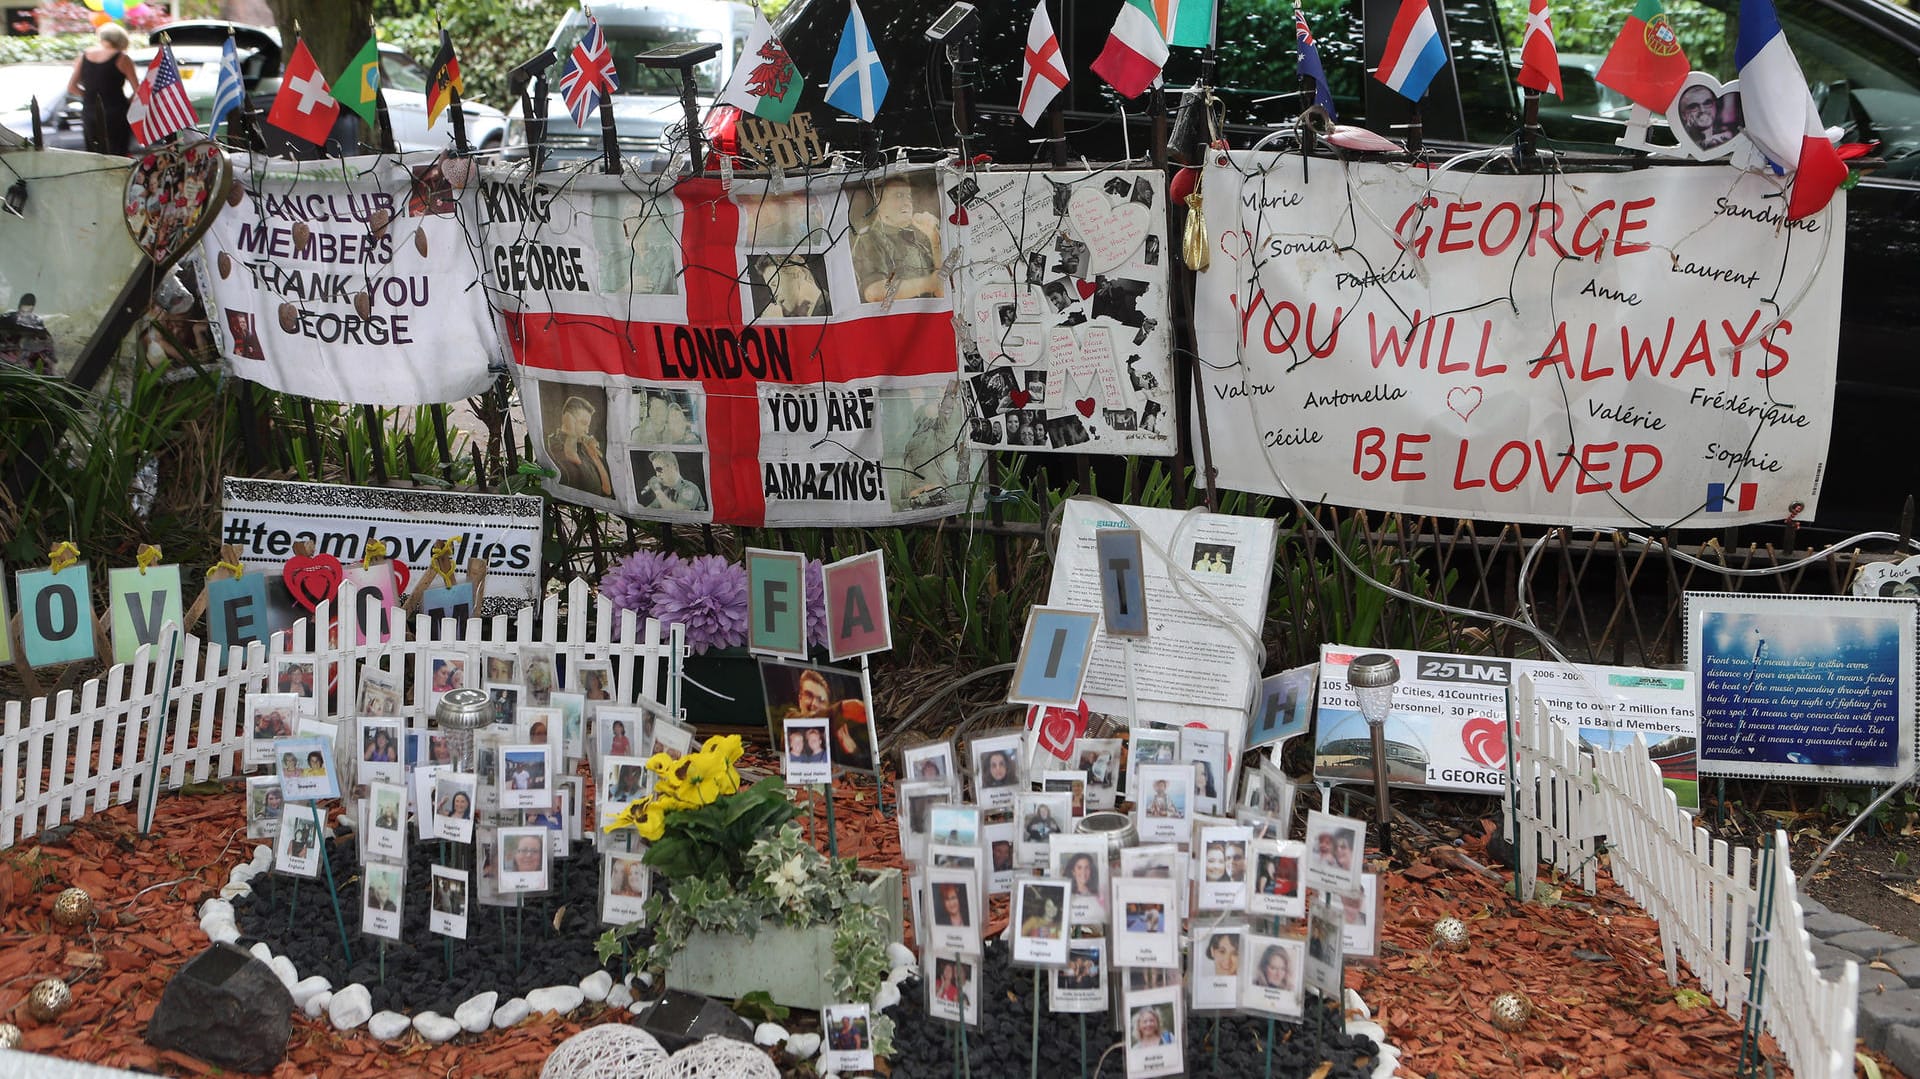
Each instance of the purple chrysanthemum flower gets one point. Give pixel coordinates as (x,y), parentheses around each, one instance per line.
(629,583)
(708,595)
(816,605)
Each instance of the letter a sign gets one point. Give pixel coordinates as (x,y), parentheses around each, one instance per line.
(857,618)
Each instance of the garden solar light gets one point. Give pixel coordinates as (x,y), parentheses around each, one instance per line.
(1373,677)
(459,714)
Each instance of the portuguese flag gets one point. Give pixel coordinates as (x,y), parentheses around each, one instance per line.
(1646,62)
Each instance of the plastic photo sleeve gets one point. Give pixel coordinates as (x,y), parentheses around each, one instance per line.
(1163,802)
(1041,919)
(1214,983)
(807,754)
(1099,758)
(996,770)
(915,803)
(1224,866)
(270,716)
(1071,783)
(296,850)
(265,806)
(1277,892)
(1206,750)
(1359,918)
(625,883)
(1081,861)
(955,905)
(933,762)
(849,1044)
(1081,986)
(448,897)
(385,807)
(1038,817)
(1146,923)
(382,891)
(524,775)
(453,806)
(523,853)
(1150,745)
(1334,848)
(1324,959)
(998,840)
(380,750)
(1153,1033)
(953,989)
(1273,975)
(306,769)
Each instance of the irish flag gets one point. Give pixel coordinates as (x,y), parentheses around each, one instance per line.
(1646,62)
(1187,23)
(1135,51)
(1780,115)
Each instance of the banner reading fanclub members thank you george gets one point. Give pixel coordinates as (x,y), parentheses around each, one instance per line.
(745,353)
(350,280)
(1595,349)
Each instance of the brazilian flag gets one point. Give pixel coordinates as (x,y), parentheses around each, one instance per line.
(358,87)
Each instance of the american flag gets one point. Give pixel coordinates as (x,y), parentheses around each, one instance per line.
(160,107)
(589,73)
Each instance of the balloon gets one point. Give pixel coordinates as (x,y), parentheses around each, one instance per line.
(140,11)
(100,18)
(96,5)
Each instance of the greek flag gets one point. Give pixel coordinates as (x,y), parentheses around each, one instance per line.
(230,93)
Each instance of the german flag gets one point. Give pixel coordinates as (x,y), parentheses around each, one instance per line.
(443,79)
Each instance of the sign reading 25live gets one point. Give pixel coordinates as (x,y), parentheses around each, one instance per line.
(1446,728)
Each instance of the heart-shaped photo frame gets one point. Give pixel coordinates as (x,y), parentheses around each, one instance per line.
(1706,117)
(174,191)
(1901,578)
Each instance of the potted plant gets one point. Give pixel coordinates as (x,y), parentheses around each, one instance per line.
(743,902)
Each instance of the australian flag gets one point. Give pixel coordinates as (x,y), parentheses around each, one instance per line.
(1310,64)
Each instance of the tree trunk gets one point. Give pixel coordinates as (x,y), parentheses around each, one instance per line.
(333,29)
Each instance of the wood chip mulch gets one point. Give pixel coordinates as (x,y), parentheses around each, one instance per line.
(1591,965)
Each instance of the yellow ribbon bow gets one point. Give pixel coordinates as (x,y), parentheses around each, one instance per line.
(234,568)
(375,549)
(442,563)
(64,554)
(148,557)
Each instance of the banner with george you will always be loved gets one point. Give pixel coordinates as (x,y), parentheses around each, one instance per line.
(1626,348)
(743,353)
(351,280)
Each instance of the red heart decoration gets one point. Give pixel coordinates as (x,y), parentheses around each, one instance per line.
(1020,398)
(1086,287)
(401,575)
(958,216)
(1085,405)
(312,579)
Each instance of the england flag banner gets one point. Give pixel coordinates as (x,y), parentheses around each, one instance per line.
(777,353)
(350,280)
(1602,349)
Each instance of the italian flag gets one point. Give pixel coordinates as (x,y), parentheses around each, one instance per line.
(1646,62)
(1135,51)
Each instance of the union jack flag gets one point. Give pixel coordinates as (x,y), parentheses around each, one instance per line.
(160,106)
(589,74)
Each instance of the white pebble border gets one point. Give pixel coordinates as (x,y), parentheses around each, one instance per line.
(352,1007)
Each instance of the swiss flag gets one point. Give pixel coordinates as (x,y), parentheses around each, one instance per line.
(305,106)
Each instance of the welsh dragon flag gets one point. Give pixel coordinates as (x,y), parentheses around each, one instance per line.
(1135,52)
(765,82)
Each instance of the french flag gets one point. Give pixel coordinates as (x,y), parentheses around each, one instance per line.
(1415,52)
(1780,115)
(1741,496)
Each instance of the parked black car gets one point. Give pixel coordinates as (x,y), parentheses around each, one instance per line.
(1862,57)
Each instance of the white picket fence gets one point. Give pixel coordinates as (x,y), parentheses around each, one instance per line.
(79,753)
(1704,893)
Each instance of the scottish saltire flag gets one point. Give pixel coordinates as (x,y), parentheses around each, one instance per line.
(1310,64)
(856,83)
(1722,498)
(589,74)
(1415,52)
(1780,115)
(229,93)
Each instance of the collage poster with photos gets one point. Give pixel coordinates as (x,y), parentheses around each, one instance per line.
(753,353)
(1061,308)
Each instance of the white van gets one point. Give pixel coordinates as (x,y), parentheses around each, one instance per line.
(649,99)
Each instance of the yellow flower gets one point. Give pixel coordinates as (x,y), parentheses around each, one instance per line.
(727,747)
(629,817)
(660,763)
(653,823)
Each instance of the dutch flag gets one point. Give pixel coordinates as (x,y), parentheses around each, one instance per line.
(1415,52)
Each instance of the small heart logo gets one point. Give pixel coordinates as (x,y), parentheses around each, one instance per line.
(958,216)
(1462,402)
(1085,288)
(312,579)
(1020,398)
(1485,740)
(1085,405)
(401,575)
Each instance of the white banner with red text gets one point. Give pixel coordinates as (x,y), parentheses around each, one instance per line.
(743,353)
(350,280)
(1605,349)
